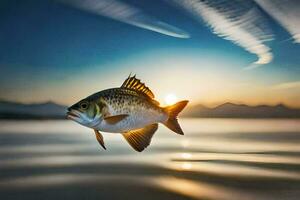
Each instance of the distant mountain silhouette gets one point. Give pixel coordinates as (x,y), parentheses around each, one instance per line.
(47,110)
(230,110)
(51,110)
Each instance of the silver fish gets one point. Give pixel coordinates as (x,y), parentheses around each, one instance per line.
(130,110)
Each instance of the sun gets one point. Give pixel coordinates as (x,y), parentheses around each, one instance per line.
(170,99)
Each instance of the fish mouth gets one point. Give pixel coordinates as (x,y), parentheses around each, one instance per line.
(73,114)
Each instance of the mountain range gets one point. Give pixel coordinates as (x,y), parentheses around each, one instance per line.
(47,110)
(51,110)
(230,110)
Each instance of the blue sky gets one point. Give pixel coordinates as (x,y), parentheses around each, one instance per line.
(52,51)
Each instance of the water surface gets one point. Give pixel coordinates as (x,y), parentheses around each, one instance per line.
(216,159)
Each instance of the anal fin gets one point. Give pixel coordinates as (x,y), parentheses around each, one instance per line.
(99,138)
(139,139)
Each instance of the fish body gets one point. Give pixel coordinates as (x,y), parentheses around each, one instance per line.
(130,110)
(140,109)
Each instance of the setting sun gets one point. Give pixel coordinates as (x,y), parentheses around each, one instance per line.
(170,99)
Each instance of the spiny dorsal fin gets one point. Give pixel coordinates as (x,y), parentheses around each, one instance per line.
(136,84)
(139,139)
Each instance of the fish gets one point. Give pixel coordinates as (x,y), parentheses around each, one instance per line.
(130,110)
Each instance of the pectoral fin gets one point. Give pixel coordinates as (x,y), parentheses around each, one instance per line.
(99,138)
(115,118)
(139,139)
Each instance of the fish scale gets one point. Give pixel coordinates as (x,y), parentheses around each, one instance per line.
(141,109)
(121,99)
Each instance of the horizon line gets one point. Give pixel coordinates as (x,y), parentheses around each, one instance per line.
(215,105)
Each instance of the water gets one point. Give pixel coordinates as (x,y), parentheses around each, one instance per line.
(216,159)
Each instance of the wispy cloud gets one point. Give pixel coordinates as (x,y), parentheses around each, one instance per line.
(234,20)
(126,13)
(287,85)
(286,12)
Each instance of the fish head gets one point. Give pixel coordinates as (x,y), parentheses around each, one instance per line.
(85,112)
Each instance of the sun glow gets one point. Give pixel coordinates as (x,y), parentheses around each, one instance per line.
(170,99)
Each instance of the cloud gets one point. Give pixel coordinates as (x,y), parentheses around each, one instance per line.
(286,12)
(123,12)
(234,20)
(287,85)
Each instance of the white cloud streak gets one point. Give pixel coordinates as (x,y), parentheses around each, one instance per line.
(287,85)
(234,20)
(286,12)
(123,12)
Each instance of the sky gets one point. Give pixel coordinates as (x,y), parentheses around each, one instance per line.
(208,52)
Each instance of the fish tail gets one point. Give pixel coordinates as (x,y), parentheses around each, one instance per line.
(173,112)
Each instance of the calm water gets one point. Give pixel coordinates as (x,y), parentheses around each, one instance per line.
(216,159)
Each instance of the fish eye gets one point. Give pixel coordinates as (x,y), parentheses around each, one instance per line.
(84,105)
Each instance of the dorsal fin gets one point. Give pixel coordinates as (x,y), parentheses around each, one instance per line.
(135,84)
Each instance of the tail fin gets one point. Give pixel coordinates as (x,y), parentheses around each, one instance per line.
(173,111)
